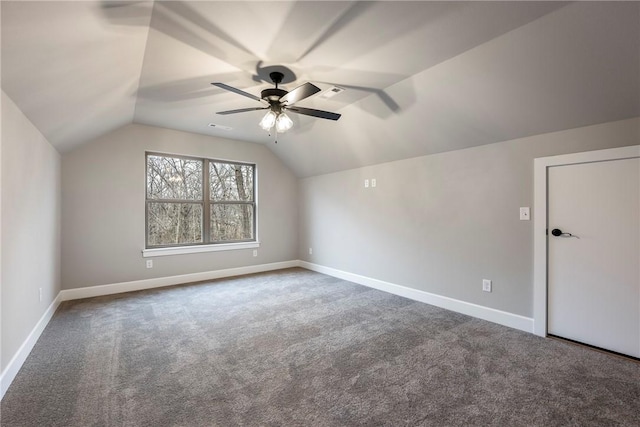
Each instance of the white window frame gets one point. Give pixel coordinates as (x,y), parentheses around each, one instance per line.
(204,246)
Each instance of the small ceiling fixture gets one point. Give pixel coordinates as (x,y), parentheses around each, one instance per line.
(213,125)
(277,101)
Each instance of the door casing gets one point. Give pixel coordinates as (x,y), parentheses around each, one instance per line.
(540,176)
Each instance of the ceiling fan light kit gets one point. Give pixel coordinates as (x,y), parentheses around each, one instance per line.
(278,100)
(268,120)
(283,123)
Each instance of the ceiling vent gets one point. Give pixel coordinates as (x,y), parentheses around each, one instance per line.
(213,125)
(332,91)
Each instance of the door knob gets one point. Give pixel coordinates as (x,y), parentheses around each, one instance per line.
(558,233)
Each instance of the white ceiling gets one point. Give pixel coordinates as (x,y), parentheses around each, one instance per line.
(421,77)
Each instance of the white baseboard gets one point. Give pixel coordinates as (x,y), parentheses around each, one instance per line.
(138,285)
(12,369)
(492,315)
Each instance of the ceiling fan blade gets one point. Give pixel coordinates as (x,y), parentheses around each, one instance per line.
(314,113)
(300,93)
(241,110)
(238,91)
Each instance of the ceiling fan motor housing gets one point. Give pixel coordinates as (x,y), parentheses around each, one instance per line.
(273,94)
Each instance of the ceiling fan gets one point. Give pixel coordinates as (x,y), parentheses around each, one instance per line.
(277,101)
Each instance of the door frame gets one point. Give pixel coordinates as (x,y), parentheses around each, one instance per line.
(541,166)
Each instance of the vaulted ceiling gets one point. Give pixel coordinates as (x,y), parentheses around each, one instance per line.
(420,77)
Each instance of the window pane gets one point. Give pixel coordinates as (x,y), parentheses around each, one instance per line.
(174,223)
(231,222)
(231,182)
(174,178)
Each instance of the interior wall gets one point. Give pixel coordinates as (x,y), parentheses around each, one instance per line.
(103,205)
(30,227)
(442,223)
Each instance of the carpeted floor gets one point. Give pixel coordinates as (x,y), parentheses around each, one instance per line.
(297,348)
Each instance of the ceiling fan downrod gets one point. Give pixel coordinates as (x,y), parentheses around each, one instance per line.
(273,95)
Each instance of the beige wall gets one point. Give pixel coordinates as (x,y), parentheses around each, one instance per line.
(442,223)
(438,223)
(30,227)
(103,193)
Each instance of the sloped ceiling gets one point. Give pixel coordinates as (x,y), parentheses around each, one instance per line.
(420,77)
(72,73)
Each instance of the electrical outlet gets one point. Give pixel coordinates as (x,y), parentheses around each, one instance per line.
(486,285)
(149,263)
(40,294)
(366,183)
(255,252)
(373,182)
(310,251)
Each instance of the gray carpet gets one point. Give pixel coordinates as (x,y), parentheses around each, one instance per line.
(297,348)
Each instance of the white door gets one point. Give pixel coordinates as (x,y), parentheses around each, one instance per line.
(594,266)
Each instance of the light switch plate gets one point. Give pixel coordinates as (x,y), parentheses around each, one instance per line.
(525,214)
(366,183)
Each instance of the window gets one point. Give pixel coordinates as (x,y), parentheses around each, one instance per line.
(192,201)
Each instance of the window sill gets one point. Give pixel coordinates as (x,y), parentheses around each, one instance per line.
(146,253)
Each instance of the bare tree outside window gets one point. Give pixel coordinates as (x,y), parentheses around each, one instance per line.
(185,207)
(232,204)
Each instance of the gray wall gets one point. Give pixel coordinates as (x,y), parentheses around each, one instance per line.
(442,223)
(30,227)
(103,194)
